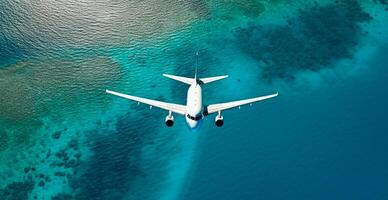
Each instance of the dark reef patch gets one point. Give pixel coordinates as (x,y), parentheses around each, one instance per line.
(9,50)
(384,2)
(232,9)
(315,39)
(200,7)
(3,140)
(56,135)
(249,8)
(117,160)
(62,196)
(68,157)
(17,191)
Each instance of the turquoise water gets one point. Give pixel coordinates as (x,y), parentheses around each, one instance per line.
(62,137)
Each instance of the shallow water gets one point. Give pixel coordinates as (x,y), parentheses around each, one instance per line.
(61,136)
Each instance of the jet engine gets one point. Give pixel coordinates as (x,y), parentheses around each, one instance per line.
(169,120)
(219,121)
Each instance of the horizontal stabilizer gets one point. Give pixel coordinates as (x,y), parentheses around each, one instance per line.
(211,79)
(188,81)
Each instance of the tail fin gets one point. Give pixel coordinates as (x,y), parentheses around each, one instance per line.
(188,81)
(196,66)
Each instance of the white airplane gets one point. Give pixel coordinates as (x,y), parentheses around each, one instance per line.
(194,111)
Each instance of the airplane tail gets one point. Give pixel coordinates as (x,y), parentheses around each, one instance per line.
(200,81)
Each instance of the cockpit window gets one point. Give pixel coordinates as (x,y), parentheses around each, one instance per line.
(196,118)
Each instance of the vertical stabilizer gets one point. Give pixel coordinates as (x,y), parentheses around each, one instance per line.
(196,66)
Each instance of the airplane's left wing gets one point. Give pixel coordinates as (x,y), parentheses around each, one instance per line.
(176,108)
(224,106)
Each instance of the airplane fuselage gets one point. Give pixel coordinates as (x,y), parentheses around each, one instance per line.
(194,114)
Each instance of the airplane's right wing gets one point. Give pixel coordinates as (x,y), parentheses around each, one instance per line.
(176,108)
(224,106)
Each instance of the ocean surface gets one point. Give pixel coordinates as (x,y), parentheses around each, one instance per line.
(324,137)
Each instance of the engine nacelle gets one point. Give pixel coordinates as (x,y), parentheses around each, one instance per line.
(219,121)
(169,120)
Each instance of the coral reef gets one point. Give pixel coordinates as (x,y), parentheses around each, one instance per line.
(315,39)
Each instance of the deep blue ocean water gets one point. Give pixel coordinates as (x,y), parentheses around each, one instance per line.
(324,137)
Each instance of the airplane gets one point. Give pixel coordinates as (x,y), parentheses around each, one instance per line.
(194,111)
